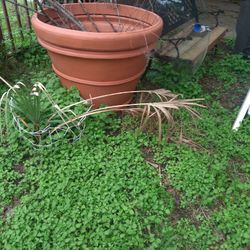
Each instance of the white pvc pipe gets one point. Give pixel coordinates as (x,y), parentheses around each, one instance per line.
(245,108)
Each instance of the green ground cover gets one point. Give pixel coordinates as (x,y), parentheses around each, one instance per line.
(118,187)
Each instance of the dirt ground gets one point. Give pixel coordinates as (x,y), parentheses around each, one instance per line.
(228,18)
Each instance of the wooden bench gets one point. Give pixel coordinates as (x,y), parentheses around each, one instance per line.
(192,46)
(179,41)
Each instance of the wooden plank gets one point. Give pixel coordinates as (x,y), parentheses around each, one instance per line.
(221,31)
(184,47)
(198,49)
(182,31)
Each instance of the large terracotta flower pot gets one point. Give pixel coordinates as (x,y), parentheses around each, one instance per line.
(104,62)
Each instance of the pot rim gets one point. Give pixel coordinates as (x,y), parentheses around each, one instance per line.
(159,22)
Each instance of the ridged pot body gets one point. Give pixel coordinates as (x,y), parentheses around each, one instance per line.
(109,57)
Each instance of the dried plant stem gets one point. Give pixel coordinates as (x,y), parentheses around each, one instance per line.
(110,23)
(45,14)
(89,16)
(67,14)
(168,95)
(160,109)
(6,83)
(124,107)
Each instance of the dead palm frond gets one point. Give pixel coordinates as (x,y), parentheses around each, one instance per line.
(161,108)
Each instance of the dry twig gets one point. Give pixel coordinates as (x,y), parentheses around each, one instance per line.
(66,14)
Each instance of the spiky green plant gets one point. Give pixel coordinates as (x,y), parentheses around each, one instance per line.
(34,113)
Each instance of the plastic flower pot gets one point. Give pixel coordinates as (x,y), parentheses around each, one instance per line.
(98,63)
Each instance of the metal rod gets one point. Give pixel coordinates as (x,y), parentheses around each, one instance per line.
(35,5)
(27,14)
(20,5)
(5,12)
(19,22)
(243,111)
(1,34)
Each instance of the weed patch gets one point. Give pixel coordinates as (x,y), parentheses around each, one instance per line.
(119,188)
